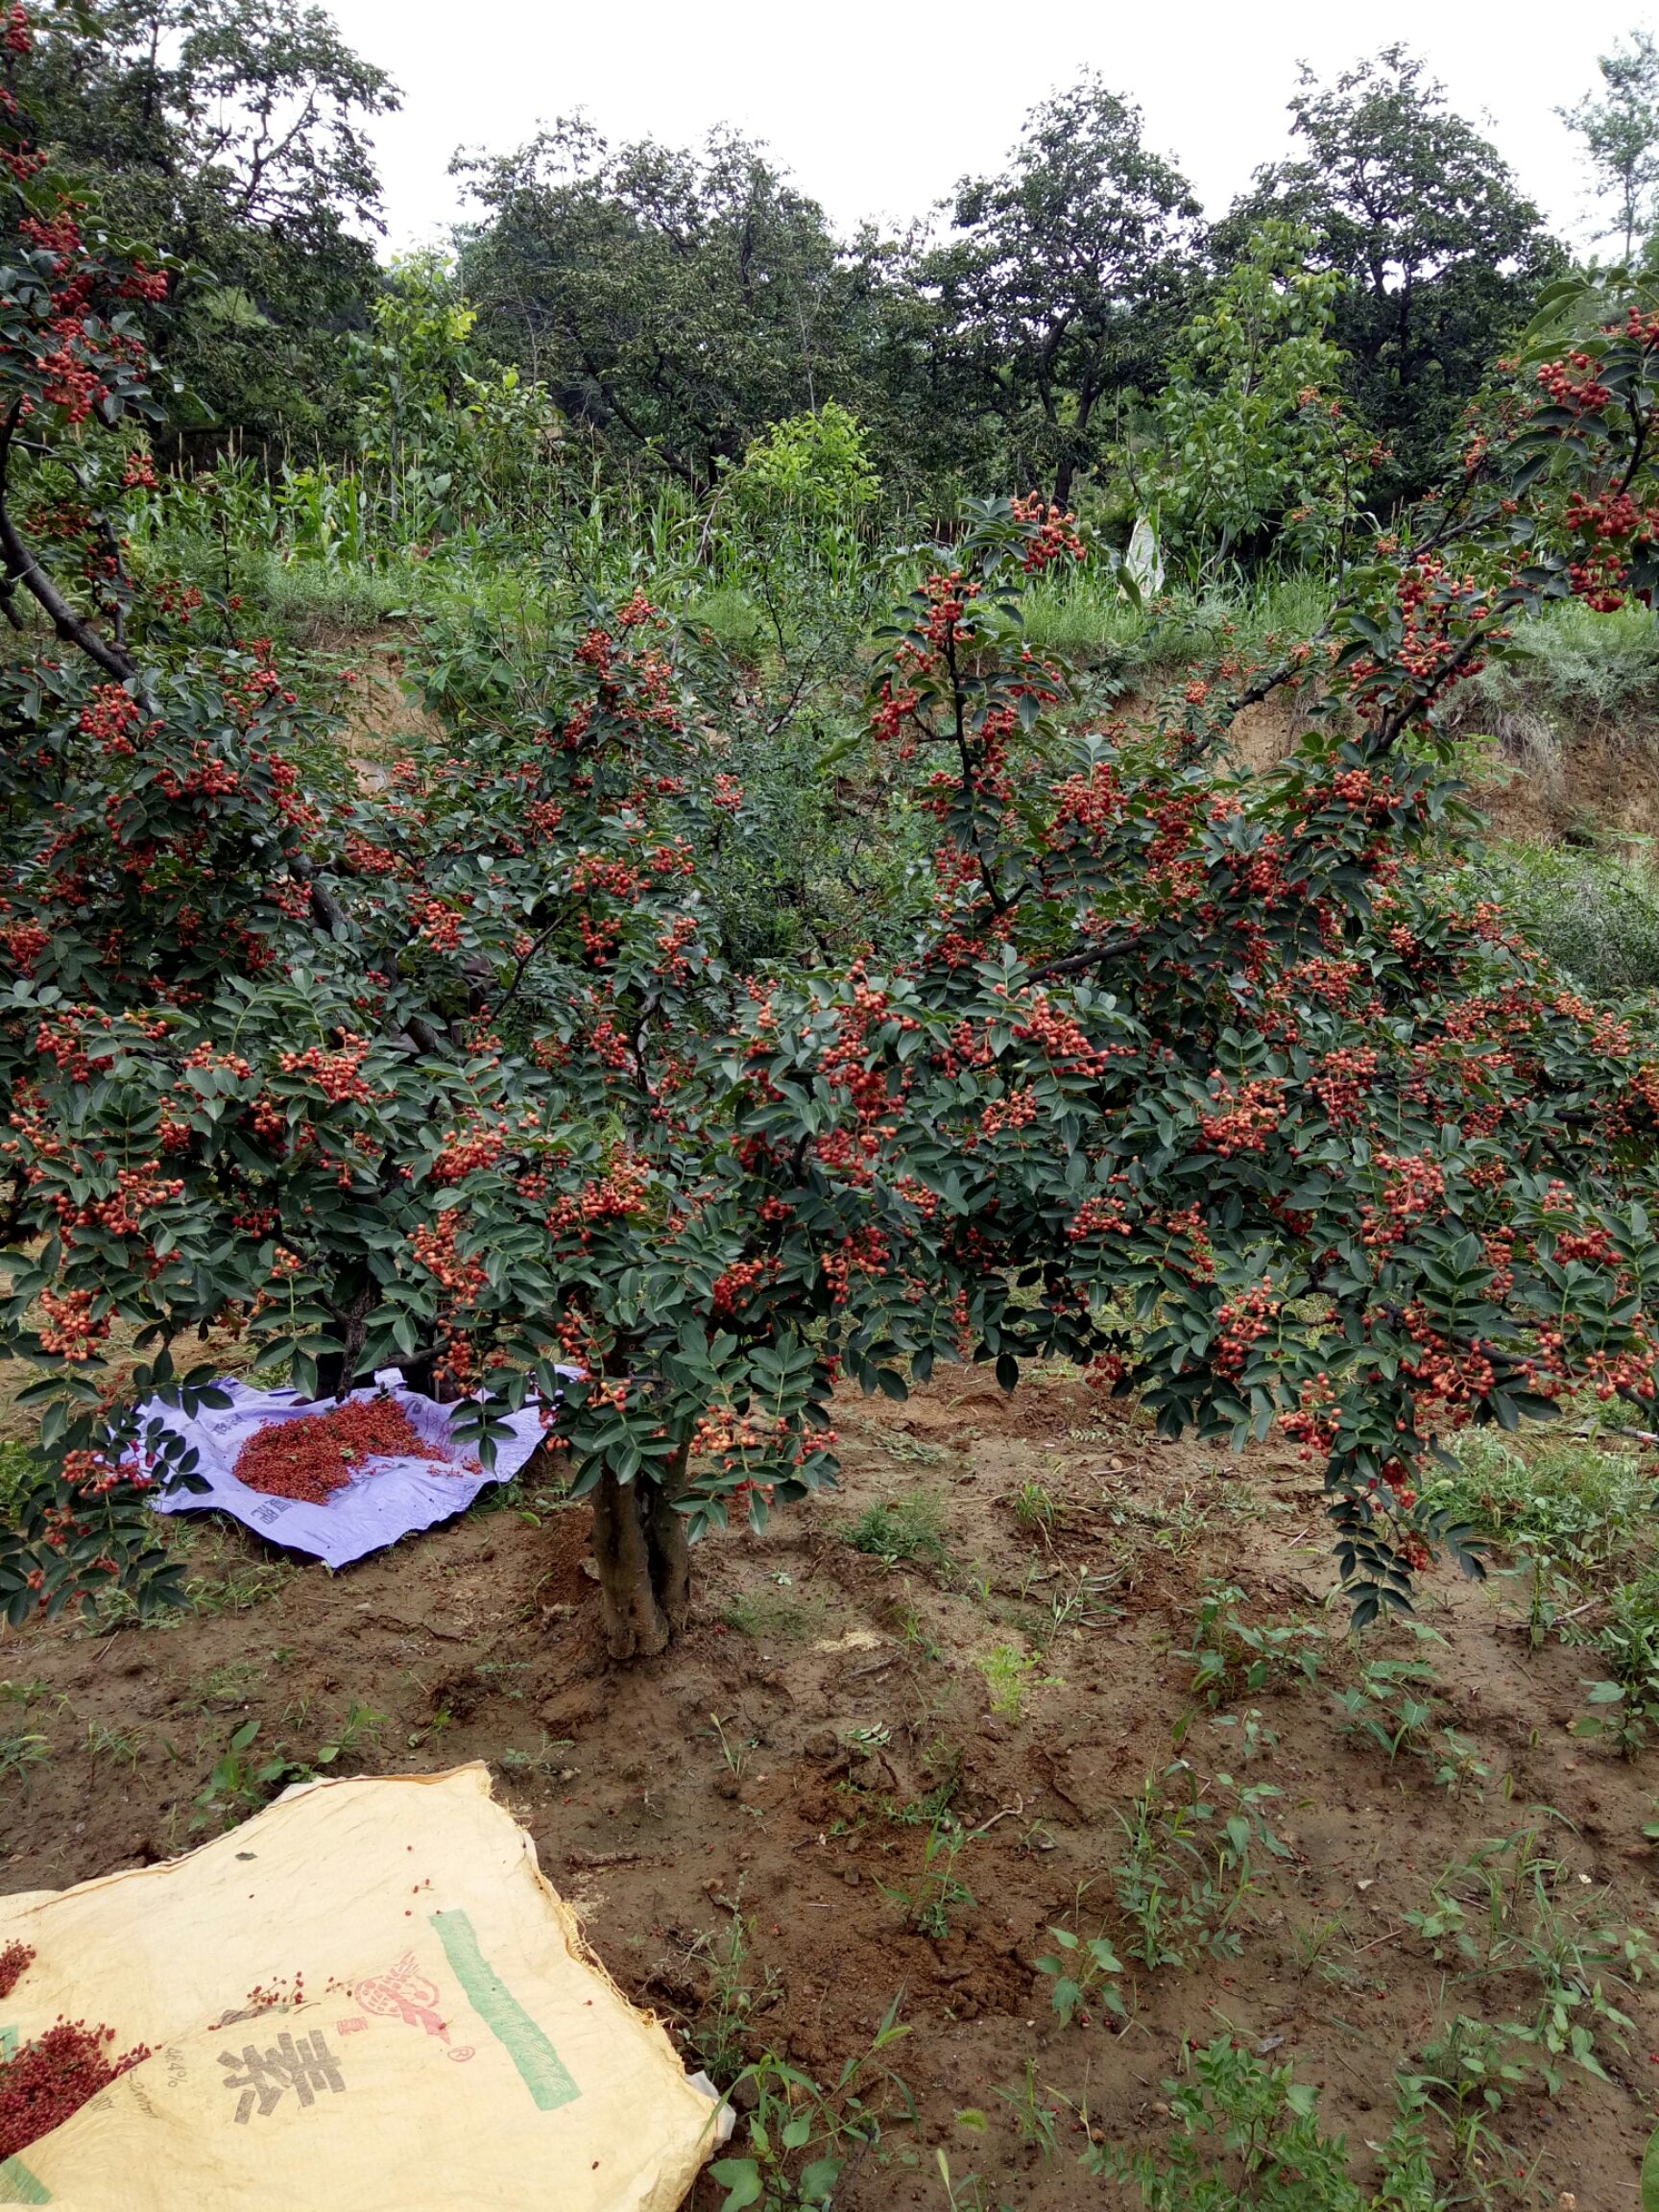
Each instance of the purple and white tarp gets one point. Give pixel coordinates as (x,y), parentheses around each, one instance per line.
(385,1499)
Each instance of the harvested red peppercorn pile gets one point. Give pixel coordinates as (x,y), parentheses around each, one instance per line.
(44,2082)
(310,1457)
(16,1961)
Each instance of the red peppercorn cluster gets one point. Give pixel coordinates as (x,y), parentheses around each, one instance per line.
(733,1288)
(337,1074)
(69,1328)
(46,2081)
(15,1960)
(310,1457)
(1052,533)
(1575,382)
(1244,1118)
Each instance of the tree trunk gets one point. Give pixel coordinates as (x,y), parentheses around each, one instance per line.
(644,1561)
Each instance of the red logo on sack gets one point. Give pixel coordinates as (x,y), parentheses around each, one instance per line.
(404,1993)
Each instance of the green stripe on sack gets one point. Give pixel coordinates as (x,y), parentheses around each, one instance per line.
(18,2186)
(540,2068)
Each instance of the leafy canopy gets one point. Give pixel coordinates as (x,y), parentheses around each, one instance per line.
(232,134)
(1442,257)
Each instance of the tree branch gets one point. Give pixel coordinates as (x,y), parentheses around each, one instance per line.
(1079,963)
(23,566)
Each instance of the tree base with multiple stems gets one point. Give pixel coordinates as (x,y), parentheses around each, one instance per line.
(643,1555)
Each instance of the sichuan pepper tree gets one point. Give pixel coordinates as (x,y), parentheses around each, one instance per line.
(246,1039)
(1203,1082)
(1208,1082)
(404,1080)
(408,1079)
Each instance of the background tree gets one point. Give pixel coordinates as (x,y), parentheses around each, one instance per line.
(1065,282)
(1444,257)
(1254,455)
(673,302)
(230,133)
(1621,134)
(454,438)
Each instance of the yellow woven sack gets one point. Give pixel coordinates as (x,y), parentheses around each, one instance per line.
(366,1999)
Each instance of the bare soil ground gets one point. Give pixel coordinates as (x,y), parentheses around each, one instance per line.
(778,1768)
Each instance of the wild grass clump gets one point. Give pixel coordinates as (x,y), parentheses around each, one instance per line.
(1581,666)
(1589,1501)
(310,603)
(908,1526)
(1596,916)
(1087,617)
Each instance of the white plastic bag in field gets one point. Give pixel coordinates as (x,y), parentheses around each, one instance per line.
(386,1499)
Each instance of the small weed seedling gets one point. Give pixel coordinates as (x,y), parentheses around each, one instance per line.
(1627,1701)
(1248,2135)
(924,1812)
(228,1684)
(734,1754)
(914,1630)
(802,2140)
(1515,1922)
(1470,2071)
(1084,1972)
(931,1899)
(24,1694)
(1458,1767)
(1083,1605)
(1233,1658)
(1009,1674)
(113,1743)
(548,1760)
(20,1753)
(770,1616)
(1393,1705)
(969,2193)
(1035,1511)
(1038,2121)
(1186,1869)
(1315,1949)
(1255,1739)
(362,1725)
(241,1781)
(720,2034)
(910,1451)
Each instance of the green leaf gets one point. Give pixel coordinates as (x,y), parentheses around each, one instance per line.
(1651,2174)
(741,2176)
(818,2180)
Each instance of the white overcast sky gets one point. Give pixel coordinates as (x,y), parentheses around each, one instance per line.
(877,108)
